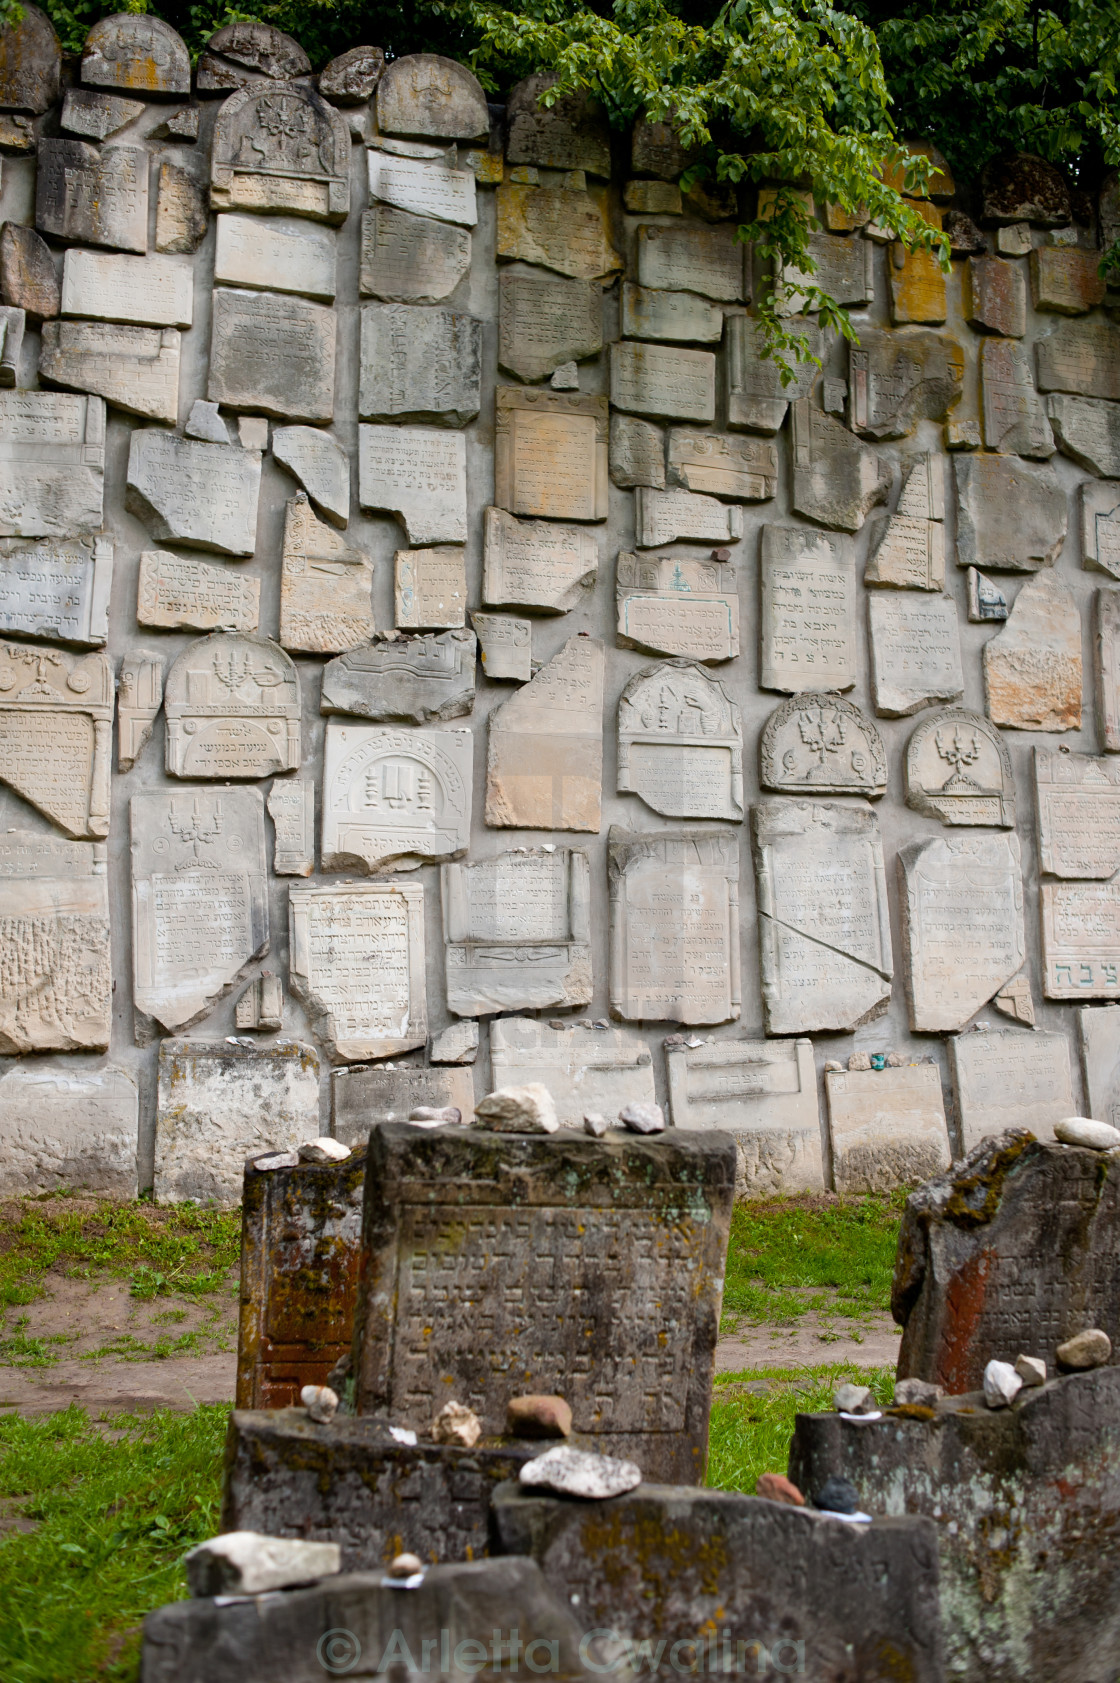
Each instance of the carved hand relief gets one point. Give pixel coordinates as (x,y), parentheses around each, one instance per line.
(818,742)
(958,769)
(232,706)
(393,798)
(680,744)
(281,148)
(56,712)
(55,976)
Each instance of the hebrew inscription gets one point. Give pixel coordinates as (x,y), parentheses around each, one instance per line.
(962,925)
(680,743)
(517,932)
(55,976)
(677,605)
(393,797)
(233,709)
(357,960)
(808,610)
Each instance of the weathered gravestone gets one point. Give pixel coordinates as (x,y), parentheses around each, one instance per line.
(425,94)
(1080,940)
(692,258)
(368,1094)
(321,466)
(394,797)
(886,1127)
(56,712)
(908,547)
(281,148)
(517,932)
(545,320)
(189,492)
(419,679)
(56,983)
(357,961)
(409,259)
(817,742)
(808,630)
(272,353)
(430,588)
(761,1092)
(958,769)
(994,296)
(291,806)
(561,229)
(1032,668)
(649,314)
(30,63)
(57,589)
(419,474)
(137,368)
(536,563)
(1080,357)
(680,743)
(550,454)
(585,1066)
(1009,1080)
(455,1234)
(1078,814)
(423,187)
(569,134)
(94,197)
(962,925)
(300,1228)
(140,54)
(678,605)
(1010,514)
(176,593)
(419,364)
(544,768)
(1106,666)
(915,651)
(1100,526)
(250,54)
(67,1128)
(837,481)
(1014,414)
(1088,431)
(232,709)
(663,516)
(276,253)
(52,464)
(325,585)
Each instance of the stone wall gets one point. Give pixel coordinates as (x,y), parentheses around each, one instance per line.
(305,384)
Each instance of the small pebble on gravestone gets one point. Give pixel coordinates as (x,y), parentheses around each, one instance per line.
(775,1487)
(854,1399)
(323,1150)
(277,1160)
(897,1060)
(457,1424)
(518,1110)
(1031,1370)
(919,1391)
(1082,1130)
(595,1124)
(837,1496)
(403,1434)
(643,1118)
(247,1563)
(1001,1384)
(405,1566)
(538,1417)
(1091,1348)
(833,1066)
(320,1402)
(432,1116)
(576,1472)
(860,1060)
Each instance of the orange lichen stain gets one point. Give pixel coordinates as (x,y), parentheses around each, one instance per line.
(964,1308)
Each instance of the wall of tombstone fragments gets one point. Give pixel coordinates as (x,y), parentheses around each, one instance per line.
(438,652)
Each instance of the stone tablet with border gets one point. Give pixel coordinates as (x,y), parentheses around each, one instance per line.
(958,769)
(680,743)
(550,454)
(1009,1079)
(180,593)
(57,590)
(56,723)
(52,464)
(761,1092)
(417,679)
(282,148)
(962,925)
(585,1066)
(394,798)
(357,962)
(808,629)
(818,743)
(232,707)
(517,932)
(1077,809)
(56,987)
(677,605)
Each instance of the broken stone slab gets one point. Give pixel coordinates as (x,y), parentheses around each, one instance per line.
(320,464)
(1013,413)
(27,273)
(962,925)
(837,481)
(30,63)
(1106,666)
(569,134)
(456,1044)
(550,455)
(139,698)
(908,546)
(677,605)
(1080,357)
(562,229)
(166,480)
(680,743)
(536,563)
(93,197)
(844,268)
(247,54)
(1006,1079)
(247,1563)
(429,589)
(664,516)
(365,993)
(916,283)
(958,769)
(393,797)
(816,742)
(679,316)
(326,585)
(652,198)
(272,353)
(424,94)
(424,187)
(96,116)
(1015,1000)
(351,78)
(365,1097)
(276,253)
(544,765)
(761,1092)
(232,707)
(674,895)
(663,381)
(756,398)
(994,296)
(723,464)
(1080,940)
(554,1187)
(1032,668)
(291,806)
(205,422)
(1011,514)
(1009,1614)
(517,932)
(136,368)
(583,1067)
(808,629)
(692,258)
(57,590)
(1066,281)
(256,166)
(68,1130)
(887,1127)
(1100,1060)
(178,125)
(261,1006)
(176,593)
(1100,526)
(915,652)
(824,929)
(410,259)
(137,54)
(419,364)
(1020,187)
(1088,431)
(419,474)
(420,679)
(56,712)
(57,993)
(1077,810)
(545,321)
(986,601)
(181,215)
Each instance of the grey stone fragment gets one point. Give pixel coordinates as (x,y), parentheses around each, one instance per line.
(366,997)
(536,563)
(898,379)
(166,475)
(986,601)
(279,253)
(419,679)
(692,258)
(756,398)
(1013,412)
(139,697)
(505,646)
(663,516)
(517,932)
(425,186)
(92,197)
(419,365)
(136,53)
(958,769)
(665,887)
(915,652)
(27,274)
(426,95)
(763,1093)
(1010,514)
(918,1391)
(1082,357)
(326,585)
(887,1127)
(1077,809)
(1031,1370)
(1008,1080)
(962,925)
(571,133)
(854,1399)
(179,125)
(248,53)
(544,764)
(272,353)
(640,1119)
(136,368)
(181,213)
(67,1129)
(1032,668)
(96,116)
(245,1563)
(411,259)
(255,165)
(351,78)
(837,481)
(637,452)
(205,422)
(261,1006)
(816,742)
(1106,645)
(419,474)
(843,267)
(656,149)
(648,314)
(995,296)
(1084,1350)
(321,466)
(545,321)
(1088,431)
(677,605)
(456,1044)
(808,630)
(30,63)
(57,590)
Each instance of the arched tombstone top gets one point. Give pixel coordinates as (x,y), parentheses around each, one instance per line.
(280,147)
(136,54)
(243,55)
(232,705)
(431,96)
(818,741)
(30,63)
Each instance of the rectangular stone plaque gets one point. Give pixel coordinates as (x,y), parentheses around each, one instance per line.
(663,516)
(823,924)
(411,259)
(56,985)
(357,961)
(808,611)
(52,464)
(550,454)
(57,590)
(273,354)
(723,464)
(563,229)
(1080,940)
(137,368)
(1106,662)
(615,1240)
(419,474)
(424,186)
(65,1129)
(1077,809)
(231,706)
(291,806)
(677,605)
(1082,357)
(887,1127)
(692,258)
(669,315)
(761,1092)
(93,197)
(191,492)
(430,589)
(326,585)
(587,1067)
(962,925)
(1007,1080)
(1100,526)
(536,563)
(517,932)
(663,381)
(276,254)
(843,267)
(544,768)
(151,291)
(756,397)
(419,364)
(394,797)
(674,936)
(1014,414)
(1098,1028)
(368,1095)
(680,743)
(915,652)
(545,320)
(176,593)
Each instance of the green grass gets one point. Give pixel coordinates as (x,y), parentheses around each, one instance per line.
(750,1430)
(117,1507)
(783,1248)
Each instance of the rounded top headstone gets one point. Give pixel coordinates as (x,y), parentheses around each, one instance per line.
(242,55)
(30,63)
(427,95)
(137,54)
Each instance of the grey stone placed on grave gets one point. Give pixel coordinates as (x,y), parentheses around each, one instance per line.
(756,397)
(915,652)
(518,1110)
(248,1563)
(320,464)
(57,589)
(818,743)
(544,767)
(54,903)
(181,218)
(723,464)
(178,593)
(256,166)
(1014,414)
(365,995)
(994,298)
(585,1068)
(138,54)
(761,1092)
(365,1096)
(93,197)
(547,1186)
(1106,665)
(824,929)
(798,1587)
(692,258)
(247,54)
(67,1129)
(351,78)
(56,713)
(672,894)
(326,585)
(886,1128)
(1006,1079)
(199,903)
(808,629)
(678,316)
(899,379)
(291,806)
(27,274)
(663,381)
(536,563)
(517,932)
(550,454)
(423,186)
(30,63)
(546,320)
(419,474)
(1077,810)
(272,353)
(908,547)
(837,481)
(1088,1349)
(958,769)
(136,368)
(424,94)
(962,925)
(419,679)
(419,364)
(410,259)
(1080,940)
(678,605)
(280,253)
(569,134)
(1011,514)
(1080,357)
(1054,1457)
(560,228)
(393,797)
(232,706)
(166,476)
(664,516)
(573,1472)
(1088,431)
(1032,668)
(96,116)
(680,743)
